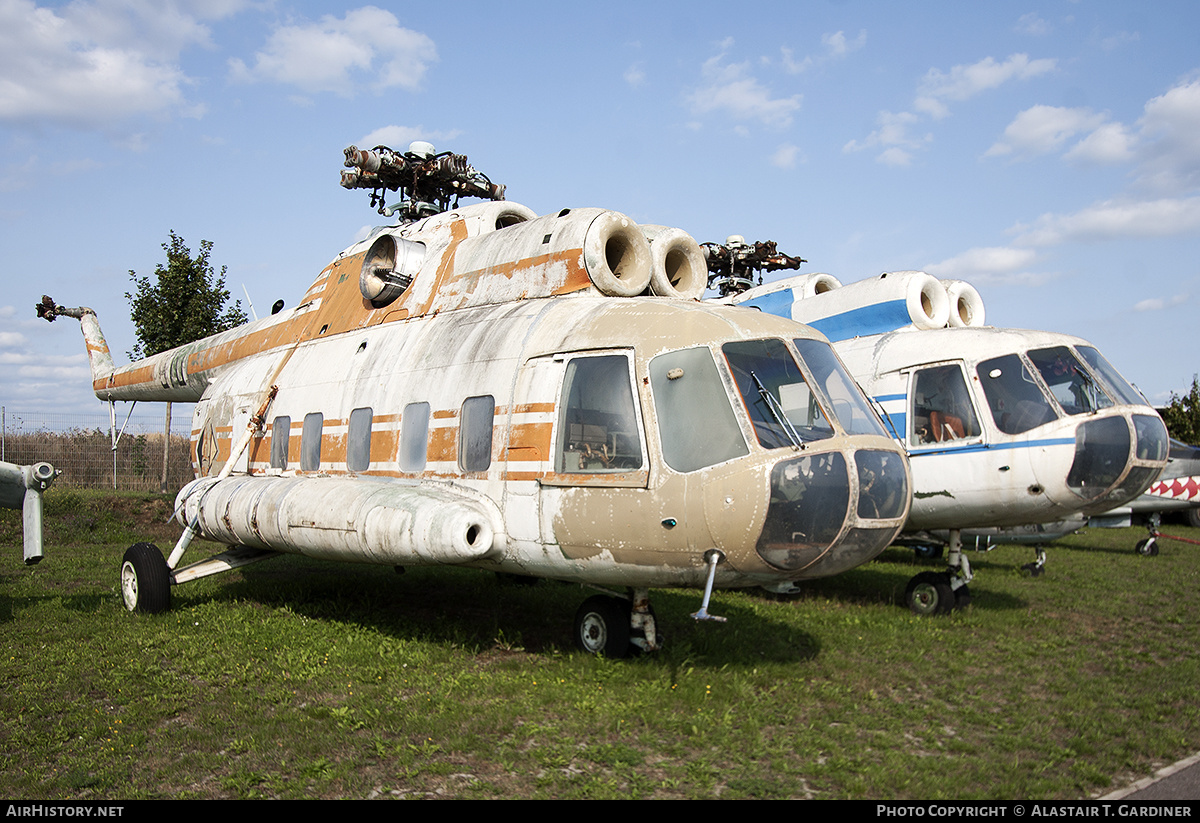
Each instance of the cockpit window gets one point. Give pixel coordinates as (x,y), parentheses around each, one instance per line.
(599,427)
(695,420)
(1016,402)
(1111,378)
(1070,383)
(849,405)
(782,407)
(942,409)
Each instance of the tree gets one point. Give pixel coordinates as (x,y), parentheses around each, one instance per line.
(184,302)
(1182,414)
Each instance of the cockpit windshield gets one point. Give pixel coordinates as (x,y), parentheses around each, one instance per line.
(849,404)
(785,411)
(1016,402)
(1069,381)
(1111,378)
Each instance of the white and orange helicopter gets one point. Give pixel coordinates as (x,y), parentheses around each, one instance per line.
(1003,427)
(541,396)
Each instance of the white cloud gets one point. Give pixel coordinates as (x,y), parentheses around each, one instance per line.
(89,65)
(635,76)
(988,264)
(1043,129)
(1169,148)
(367,47)
(732,89)
(1110,144)
(1119,39)
(398,137)
(786,156)
(1158,303)
(836,47)
(1033,25)
(934,93)
(793,66)
(964,82)
(1112,220)
(894,137)
(1162,143)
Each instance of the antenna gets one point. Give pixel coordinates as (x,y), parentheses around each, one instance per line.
(249,302)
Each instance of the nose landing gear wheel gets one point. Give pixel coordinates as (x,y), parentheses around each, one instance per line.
(145,579)
(602,626)
(929,593)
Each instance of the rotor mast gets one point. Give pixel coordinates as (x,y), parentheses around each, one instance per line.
(427,181)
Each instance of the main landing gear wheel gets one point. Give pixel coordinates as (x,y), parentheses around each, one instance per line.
(1147,547)
(927,552)
(602,626)
(929,593)
(145,579)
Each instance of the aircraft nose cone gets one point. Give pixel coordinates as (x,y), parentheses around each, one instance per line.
(1104,448)
(811,503)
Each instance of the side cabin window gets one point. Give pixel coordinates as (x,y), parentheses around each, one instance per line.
(598,425)
(310,442)
(414,437)
(690,398)
(358,440)
(941,407)
(1016,402)
(281,433)
(475,433)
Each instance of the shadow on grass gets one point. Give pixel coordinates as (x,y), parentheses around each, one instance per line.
(480,610)
(883,582)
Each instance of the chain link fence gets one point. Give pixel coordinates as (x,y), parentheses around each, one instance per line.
(80,446)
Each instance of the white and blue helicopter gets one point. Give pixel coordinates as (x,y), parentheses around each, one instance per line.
(1003,427)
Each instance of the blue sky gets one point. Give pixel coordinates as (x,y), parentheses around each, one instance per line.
(1047,152)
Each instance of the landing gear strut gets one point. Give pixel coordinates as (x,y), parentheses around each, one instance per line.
(617,627)
(931,593)
(1038,566)
(1148,546)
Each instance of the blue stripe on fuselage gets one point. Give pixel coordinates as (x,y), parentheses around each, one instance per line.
(778,303)
(875,319)
(979,447)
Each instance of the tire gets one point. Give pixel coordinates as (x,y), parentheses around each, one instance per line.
(930,552)
(1193,517)
(602,626)
(962,597)
(929,593)
(1147,547)
(145,579)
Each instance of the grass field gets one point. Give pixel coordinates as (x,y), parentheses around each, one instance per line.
(295,678)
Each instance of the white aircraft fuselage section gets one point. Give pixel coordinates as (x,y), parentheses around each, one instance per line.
(1002,426)
(1016,450)
(460,390)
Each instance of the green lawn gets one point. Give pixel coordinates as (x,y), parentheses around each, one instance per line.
(295,678)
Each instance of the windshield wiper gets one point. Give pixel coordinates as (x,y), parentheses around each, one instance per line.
(776,410)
